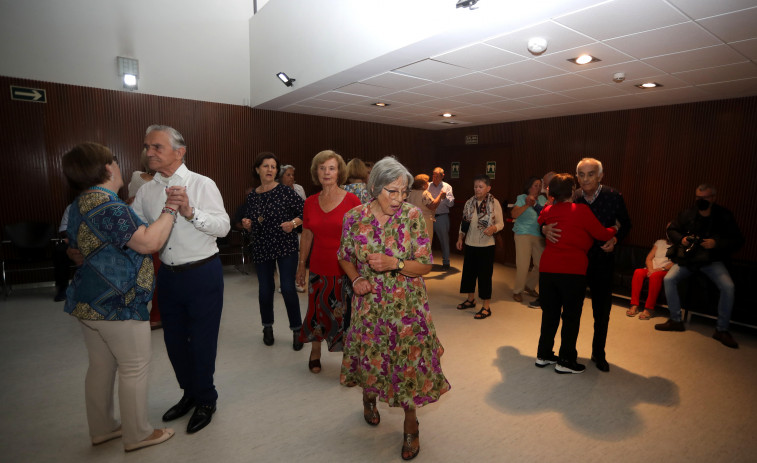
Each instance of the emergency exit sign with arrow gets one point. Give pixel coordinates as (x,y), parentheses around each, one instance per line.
(36,95)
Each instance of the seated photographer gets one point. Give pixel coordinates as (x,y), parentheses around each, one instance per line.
(702,238)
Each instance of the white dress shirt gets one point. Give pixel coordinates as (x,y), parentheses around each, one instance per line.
(445,203)
(193,240)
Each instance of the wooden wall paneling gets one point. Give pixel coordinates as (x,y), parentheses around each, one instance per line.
(655,156)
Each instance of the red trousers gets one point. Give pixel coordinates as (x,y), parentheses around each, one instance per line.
(655,284)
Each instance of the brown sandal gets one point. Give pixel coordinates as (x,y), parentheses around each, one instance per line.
(370,412)
(314,365)
(632,311)
(646,314)
(407,445)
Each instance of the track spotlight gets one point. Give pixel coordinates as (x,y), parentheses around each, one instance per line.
(285,78)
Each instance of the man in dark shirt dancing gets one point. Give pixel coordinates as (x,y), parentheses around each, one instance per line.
(609,208)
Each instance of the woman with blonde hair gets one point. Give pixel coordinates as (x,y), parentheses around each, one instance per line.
(357,175)
(329,293)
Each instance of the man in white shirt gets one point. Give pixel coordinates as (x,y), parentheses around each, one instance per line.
(190,276)
(443,200)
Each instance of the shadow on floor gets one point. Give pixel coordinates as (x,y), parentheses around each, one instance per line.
(597,404)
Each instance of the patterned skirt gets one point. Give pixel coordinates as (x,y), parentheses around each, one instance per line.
(329,300)
(391,350)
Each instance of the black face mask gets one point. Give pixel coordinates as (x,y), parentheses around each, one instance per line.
(702,204)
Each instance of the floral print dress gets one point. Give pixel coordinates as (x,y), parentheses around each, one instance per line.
(391,348)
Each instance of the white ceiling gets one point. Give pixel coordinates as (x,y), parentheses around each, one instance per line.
(697,49)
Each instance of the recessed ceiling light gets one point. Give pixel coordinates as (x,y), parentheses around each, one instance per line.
(383,105)
(584,59)
(447,115)
(646,85)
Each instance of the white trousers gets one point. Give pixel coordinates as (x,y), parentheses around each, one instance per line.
(122,347)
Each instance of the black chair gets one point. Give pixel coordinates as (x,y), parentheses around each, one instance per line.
(233,244)
(26,247)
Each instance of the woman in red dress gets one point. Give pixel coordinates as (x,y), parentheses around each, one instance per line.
(329,294)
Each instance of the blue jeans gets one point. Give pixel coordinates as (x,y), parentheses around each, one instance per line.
(441,230)
(287,273)
(716,272)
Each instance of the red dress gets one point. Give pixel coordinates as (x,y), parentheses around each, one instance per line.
(328,294)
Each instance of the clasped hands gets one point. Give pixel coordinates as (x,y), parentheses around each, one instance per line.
(552,233)
(176,198)
(379,263)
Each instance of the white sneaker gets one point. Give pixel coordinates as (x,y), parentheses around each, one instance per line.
(543,362)
(564,367)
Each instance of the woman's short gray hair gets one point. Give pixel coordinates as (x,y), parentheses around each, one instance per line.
(385,172)
(284,168)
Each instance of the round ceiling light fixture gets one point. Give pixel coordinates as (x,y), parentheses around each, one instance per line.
(537,45)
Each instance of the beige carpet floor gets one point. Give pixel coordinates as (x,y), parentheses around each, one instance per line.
(669,397)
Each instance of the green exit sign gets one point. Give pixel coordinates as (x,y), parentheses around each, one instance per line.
(35,95)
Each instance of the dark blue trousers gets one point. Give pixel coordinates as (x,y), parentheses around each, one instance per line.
(266,286)
(599,279)
(190,307)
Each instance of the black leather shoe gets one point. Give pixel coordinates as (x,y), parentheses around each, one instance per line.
(180,409)
(726,338)
(200,418)
(296,343)
(601,363)
(60,295)
(670,325)
(268,335)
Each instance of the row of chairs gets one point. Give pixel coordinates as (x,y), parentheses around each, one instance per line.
(26,247)
(29,247)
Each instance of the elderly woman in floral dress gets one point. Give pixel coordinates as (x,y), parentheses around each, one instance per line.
(390,350)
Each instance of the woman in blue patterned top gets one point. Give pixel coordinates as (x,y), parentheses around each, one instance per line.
(273,212)
(357,175)
(109,295)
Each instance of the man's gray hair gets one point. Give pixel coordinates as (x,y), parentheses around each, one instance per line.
(177,141)
(707,186)
(385,172)
(284,168)
(589,161)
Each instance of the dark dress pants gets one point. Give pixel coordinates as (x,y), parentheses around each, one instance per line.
(191,302)
(599,280)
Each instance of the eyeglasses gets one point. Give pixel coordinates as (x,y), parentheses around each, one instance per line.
(394,194)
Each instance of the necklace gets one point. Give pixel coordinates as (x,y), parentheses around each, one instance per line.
(105,190)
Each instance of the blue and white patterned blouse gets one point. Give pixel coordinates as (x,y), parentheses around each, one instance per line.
(115,282)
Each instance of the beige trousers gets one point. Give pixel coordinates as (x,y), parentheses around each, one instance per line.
(429,227)
(526,248)
(122,347)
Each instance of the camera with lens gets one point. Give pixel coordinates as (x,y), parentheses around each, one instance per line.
(694,241)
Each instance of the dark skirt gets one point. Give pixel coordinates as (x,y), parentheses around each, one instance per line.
(329,301)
